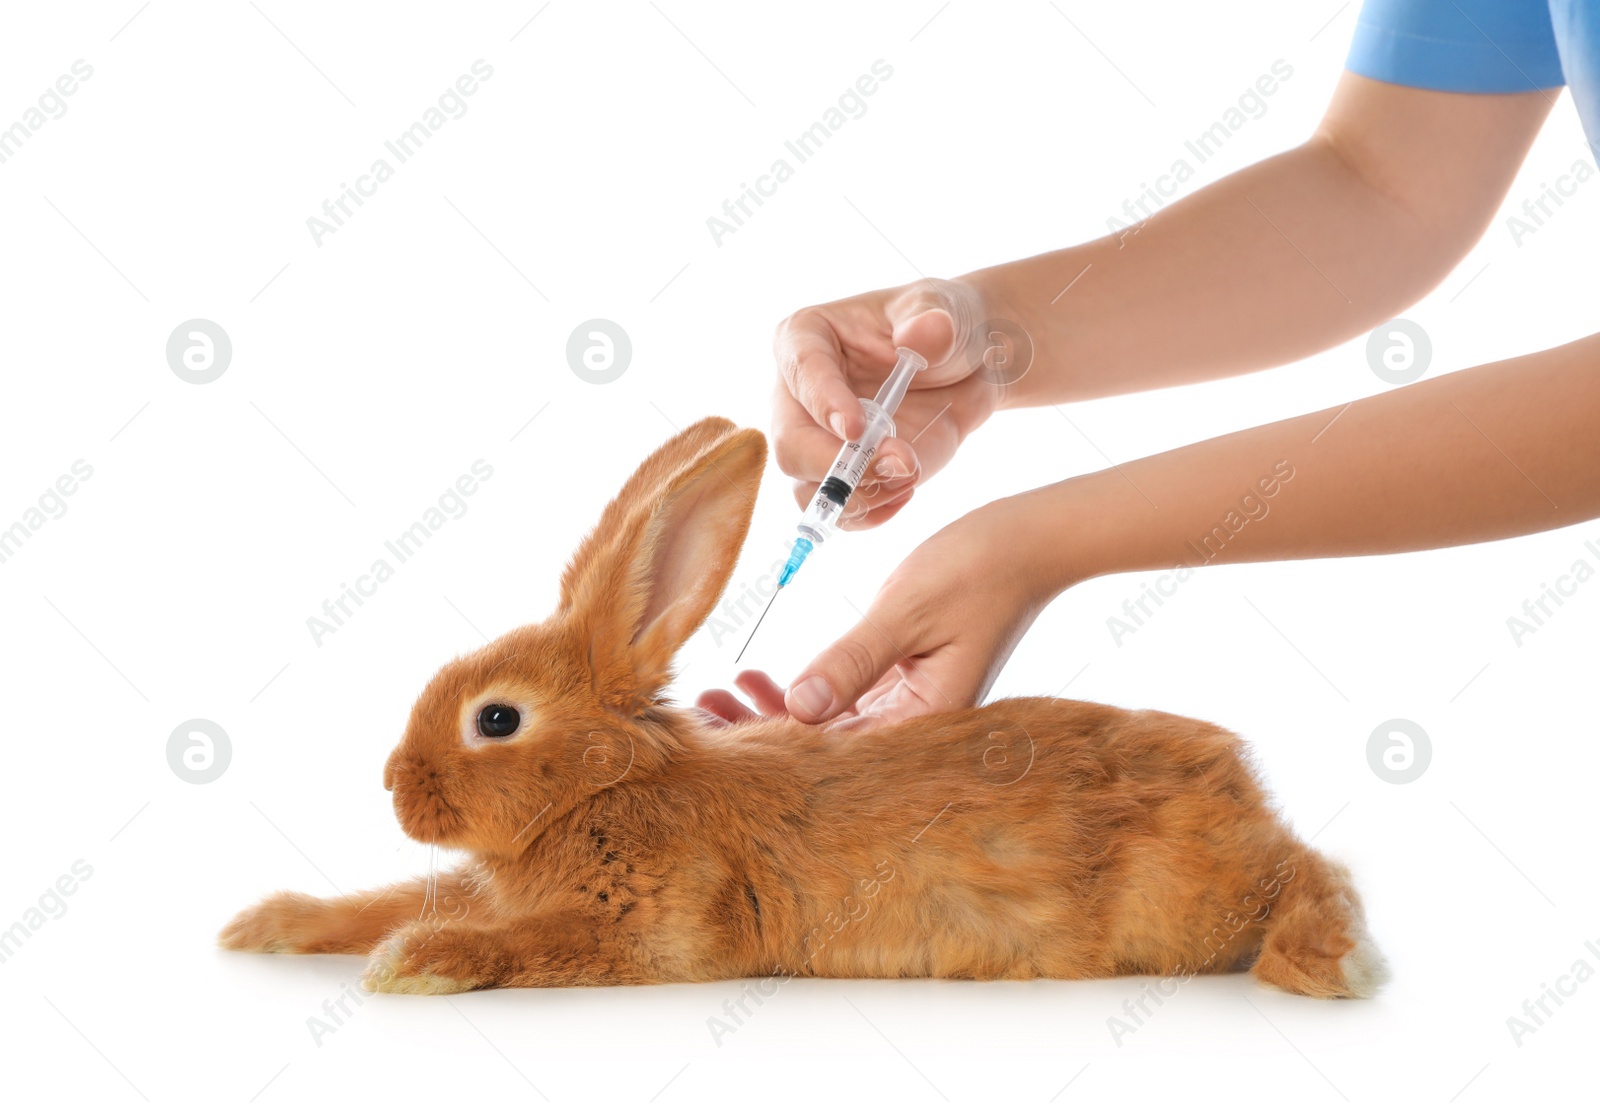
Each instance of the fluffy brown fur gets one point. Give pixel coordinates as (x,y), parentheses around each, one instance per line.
(614,839)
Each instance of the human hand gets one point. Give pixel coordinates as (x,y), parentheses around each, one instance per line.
(936,635)
(831,356)
(722,708)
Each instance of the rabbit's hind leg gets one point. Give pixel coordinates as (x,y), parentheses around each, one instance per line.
(1316,937)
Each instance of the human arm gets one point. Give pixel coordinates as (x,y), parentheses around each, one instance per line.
(1481,454)
(1275,262)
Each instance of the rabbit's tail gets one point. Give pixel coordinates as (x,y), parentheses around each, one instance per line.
(1316,941)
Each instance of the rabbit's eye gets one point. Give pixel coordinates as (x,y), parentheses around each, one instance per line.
(498,721)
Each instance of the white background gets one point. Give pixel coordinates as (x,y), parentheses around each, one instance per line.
(369,372)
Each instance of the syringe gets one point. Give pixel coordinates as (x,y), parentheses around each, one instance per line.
(821,518)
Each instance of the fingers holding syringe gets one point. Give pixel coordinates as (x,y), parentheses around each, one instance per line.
(870,506)
(805,451)
(875,504)
(802,448)
(811,376)
(929,427)
(830,359)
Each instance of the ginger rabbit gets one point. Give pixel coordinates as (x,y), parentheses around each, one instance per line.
(612,838)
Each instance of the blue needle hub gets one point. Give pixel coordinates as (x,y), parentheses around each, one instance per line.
(797,556)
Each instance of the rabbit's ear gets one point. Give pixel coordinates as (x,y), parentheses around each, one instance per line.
(642,489)
(638,598)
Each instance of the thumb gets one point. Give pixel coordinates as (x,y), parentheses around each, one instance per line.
(937,318)
(840,675)
(930,331)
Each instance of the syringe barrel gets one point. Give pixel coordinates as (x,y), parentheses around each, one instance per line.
(850,466)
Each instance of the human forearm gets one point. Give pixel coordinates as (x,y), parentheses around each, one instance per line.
(1274,263)
(1482,454)
(1277,261)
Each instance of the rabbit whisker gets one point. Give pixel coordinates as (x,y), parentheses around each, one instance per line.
(502,663)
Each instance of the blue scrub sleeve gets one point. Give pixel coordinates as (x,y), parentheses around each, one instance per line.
(1457,45)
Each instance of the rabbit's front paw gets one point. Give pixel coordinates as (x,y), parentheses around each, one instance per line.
(276,925)
(428,959)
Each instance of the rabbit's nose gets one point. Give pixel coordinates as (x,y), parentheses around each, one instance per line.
(388,774)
